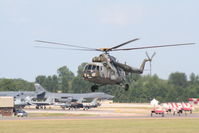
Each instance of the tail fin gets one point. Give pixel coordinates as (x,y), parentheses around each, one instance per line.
(94,102)
(80,100)
(50,100)
(39,89)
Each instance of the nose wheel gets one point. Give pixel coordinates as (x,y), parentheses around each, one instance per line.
(94,87)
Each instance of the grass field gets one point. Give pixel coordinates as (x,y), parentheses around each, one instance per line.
(101,126)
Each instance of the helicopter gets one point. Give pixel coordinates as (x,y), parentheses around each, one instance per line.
(105,69)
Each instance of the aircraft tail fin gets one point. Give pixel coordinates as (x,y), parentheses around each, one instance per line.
(94,102)
(80,100)
(39,89)
(50,100)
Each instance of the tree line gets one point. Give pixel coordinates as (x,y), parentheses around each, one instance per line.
(143,88)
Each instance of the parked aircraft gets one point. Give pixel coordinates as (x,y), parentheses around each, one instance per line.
(80,104)
(93,104)
(65,97)
(72,104)
(43,104)
(21,103)
(68,99)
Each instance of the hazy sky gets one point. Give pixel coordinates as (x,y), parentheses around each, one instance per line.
(102,23)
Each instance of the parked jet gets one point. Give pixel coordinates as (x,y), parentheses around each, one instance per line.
(79,104)
(43,104)
(67,97)
(21,103)
(93,104)
(74,104)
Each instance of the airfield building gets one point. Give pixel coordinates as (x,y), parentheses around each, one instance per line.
(6,106)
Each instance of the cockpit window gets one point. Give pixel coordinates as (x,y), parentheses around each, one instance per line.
(92,67)
(86,67)
(89,67)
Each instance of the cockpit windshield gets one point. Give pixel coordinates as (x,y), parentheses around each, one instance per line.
(89,67)
(92,67)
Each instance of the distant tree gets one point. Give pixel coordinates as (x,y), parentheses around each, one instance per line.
(79,85)
(15,85)
(7,85)
(55,83)
(65,78)
(178,79)
(178,82)
(40,79)
(80,69)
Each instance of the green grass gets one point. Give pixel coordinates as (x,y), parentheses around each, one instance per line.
(101,126)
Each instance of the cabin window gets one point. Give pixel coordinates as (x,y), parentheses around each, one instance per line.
(97,68)
(94,67)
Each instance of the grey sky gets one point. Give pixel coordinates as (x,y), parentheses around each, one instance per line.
(96,24)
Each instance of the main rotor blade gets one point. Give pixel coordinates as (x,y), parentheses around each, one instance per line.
(65,48)
(124,43)
(148,47)
(63,44)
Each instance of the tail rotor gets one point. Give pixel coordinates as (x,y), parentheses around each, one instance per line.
(150,60)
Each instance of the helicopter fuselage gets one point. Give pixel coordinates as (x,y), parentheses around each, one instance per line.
(106,70)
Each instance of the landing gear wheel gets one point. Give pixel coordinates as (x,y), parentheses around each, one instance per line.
(94,87)
(126,87)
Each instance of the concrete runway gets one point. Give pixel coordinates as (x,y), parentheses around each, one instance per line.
(167,116)
(113,111)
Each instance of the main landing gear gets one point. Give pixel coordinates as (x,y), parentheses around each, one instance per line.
(94,87)
(126,87)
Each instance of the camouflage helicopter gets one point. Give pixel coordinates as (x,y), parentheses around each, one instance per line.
(105,69)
